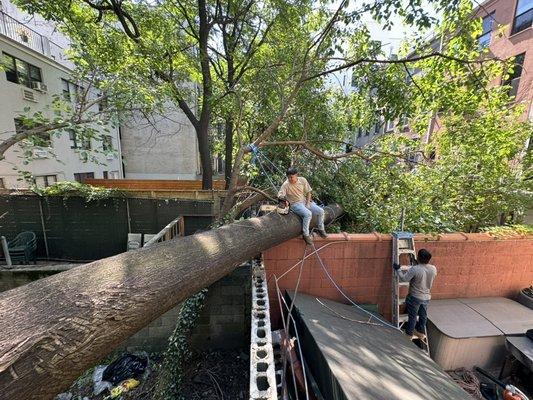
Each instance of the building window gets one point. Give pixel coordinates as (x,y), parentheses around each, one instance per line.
(514,79)
(523,16)
(45,180)
(81,176)
(113,175)
(107,143)
(70,89)
(65,89)
(19,71)
(488,25)
(79,143)
(102,104)
(105,175)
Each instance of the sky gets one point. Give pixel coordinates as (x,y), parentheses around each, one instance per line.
(390,40)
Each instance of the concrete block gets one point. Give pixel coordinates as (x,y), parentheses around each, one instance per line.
(262,367)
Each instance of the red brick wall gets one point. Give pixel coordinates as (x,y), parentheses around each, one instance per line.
(469,265)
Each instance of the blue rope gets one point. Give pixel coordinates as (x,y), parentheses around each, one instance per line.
(271,163)
(257,157)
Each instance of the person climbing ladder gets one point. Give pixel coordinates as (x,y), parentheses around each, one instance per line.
(296,193)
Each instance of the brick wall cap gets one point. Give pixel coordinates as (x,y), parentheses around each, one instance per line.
(452,237)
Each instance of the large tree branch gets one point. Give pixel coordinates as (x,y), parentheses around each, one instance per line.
(126,20)
(40,131)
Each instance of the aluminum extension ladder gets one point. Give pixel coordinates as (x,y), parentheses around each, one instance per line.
(403,243)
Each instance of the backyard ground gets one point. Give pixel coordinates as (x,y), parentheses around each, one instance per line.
(210,376)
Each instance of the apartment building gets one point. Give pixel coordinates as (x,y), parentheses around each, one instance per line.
(162,145)
(35,69)
(507,32)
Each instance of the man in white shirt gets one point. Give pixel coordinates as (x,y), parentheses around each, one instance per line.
(296,191)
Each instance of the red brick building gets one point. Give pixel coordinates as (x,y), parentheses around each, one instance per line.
(508,32)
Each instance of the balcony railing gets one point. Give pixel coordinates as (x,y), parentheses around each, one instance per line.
(26,36)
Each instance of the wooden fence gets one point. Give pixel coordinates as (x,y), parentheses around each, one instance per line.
(152,184)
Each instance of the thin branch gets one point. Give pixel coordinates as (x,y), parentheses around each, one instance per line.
(400,61)
(254,189)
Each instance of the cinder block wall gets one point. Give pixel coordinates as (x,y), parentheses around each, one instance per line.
(223,323)
(469,265)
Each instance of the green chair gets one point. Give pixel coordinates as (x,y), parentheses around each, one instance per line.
(23,248)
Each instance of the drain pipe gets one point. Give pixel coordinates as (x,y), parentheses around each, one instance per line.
(262,369)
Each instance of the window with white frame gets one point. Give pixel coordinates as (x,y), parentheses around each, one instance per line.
(107,143)
(21,72)
(514,78)
(488,25)
(45,180)
(70,90)
(78,143)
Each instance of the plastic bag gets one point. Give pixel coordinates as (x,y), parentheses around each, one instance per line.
(127,366)
(99,384)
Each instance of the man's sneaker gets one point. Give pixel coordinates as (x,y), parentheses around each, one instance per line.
(308,240)
(419,335)
(322,233)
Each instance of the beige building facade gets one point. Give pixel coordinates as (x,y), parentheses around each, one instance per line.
(35,69)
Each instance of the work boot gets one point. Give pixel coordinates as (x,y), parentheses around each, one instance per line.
(419,335)
(322,233)
(308,240)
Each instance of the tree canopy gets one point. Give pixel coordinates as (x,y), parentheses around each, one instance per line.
(255,73)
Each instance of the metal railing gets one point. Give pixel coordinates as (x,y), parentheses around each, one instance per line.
(28,37)
(173,229)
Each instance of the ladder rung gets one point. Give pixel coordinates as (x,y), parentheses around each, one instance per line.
(406,251)
(403,317)
(401,300)
(403,283)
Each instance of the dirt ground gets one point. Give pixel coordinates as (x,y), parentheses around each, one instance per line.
(216,375)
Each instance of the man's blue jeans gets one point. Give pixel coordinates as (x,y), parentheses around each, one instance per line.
(306,214)
(414,307)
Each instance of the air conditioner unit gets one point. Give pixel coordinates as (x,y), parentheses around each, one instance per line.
(40,153)
(39,86)
(29,95)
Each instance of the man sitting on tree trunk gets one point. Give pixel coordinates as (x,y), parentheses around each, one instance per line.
(296,193)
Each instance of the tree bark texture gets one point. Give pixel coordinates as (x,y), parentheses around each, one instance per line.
(54,329)
(228,141)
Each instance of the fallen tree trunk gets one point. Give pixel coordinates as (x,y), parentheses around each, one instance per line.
(54,329)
